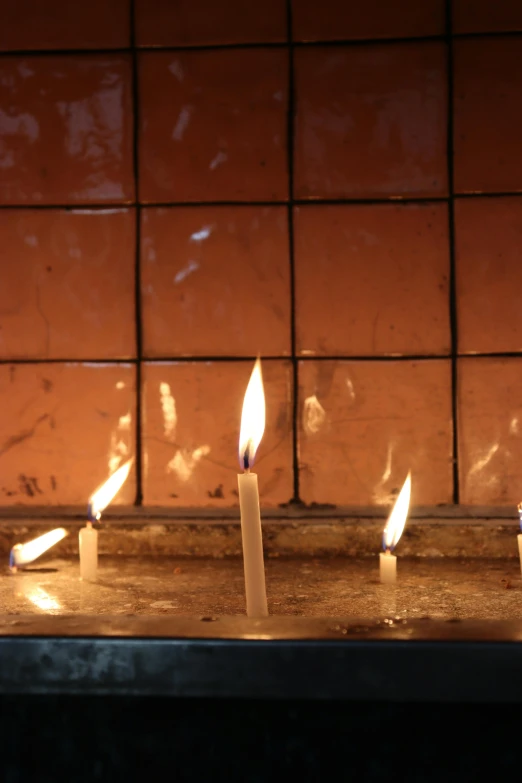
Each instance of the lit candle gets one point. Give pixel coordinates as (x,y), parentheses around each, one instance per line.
(88,538)
(519,537)
(252,429)
(393,532)
(23,554)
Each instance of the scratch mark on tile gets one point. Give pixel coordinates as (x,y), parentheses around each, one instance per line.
(15,440)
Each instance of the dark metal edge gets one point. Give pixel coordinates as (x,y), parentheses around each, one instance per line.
(277,658)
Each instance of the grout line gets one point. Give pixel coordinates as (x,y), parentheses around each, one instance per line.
(132,516)
(266,358)
(132,50)
(500,194)
(452,275)
(291,254)
(137,281)
(315,202)
(356,42)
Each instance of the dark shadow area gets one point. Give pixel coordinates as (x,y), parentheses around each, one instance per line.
(21,571)
(49,739)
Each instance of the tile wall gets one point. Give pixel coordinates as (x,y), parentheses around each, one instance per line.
(335,186)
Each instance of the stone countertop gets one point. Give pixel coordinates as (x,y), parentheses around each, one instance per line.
(307,587)
(450,631)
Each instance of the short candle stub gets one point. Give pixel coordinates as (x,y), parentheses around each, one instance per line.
(387,568)
(88,549)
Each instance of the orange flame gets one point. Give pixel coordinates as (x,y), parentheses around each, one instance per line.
(22,554)
(108,490)
(252,418)
(397,519)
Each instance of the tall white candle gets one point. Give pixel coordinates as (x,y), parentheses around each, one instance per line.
(519,537)
(392,533)
(252,429)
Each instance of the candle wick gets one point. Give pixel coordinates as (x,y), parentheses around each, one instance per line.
(246,459)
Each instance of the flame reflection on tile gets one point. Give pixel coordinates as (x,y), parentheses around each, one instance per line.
(192,266)
(202,234)
(119,448)
(168,407)
(184,462)
(314,415)
(42,600)
(480,464)
(351,390)
(380,495)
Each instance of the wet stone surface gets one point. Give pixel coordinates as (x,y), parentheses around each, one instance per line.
(337,587)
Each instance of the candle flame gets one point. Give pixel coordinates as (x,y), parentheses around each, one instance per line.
(22,554)
(519,507)
(397,519)
(104,494)
(252,418)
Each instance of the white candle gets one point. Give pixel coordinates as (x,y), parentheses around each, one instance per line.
(252,429)
(88,548)
(252,545)
(519,537)
(388,568)
(393,532)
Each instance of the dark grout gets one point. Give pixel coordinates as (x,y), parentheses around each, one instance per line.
(137,281)
(295,202)
(291,248)
(294,359)
(246,45)
(452,275)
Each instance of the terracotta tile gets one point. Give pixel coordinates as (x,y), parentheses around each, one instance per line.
(372,279)
(487,115)
(68,290)
(486,16)
(213,125)
(195,22)
(215,281)
(489,274)
(192,414)
(61,24)
(490,431)
(337,19)
(65,130)
(65,428)
(371,121)
(363,425)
